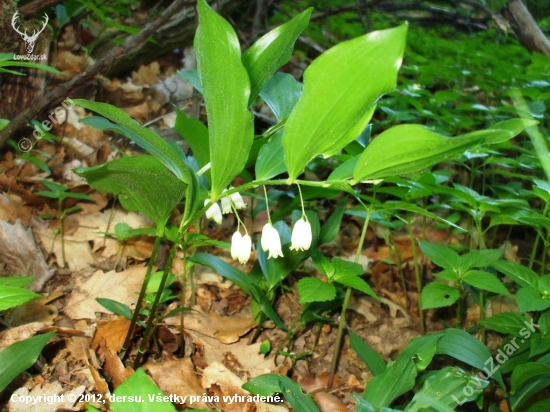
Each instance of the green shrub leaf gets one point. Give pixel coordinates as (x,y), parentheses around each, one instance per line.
(226,90)
(438,295)
(338,99)
(11,296)
(372,359)
(315,290)
(485,281)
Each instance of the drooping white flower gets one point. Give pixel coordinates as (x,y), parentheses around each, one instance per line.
(226,204)
(241,247)
(237,200)
(236,244)
(301,235)
(214,212)
(245,249)
(271,241)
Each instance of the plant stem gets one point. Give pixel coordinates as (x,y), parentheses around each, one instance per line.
(141,295)
(340,335)
(418,277)
(61,230)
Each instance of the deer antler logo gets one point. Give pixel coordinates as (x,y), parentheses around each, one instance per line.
(29,40)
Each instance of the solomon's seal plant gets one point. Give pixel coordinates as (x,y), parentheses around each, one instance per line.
(321,118)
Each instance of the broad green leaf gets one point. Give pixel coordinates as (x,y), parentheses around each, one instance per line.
(142,183)
(443,389)
(20,356)
(464,347)
(363,405)
(16,281)
(270,384)
(527,371)
(397,379)
(338,99)
(115,307)
(408,149)
(271,51)
(438,295)
(145,138)
(271,159)
(346,268)
(196,134)
(544,323)
(275,270)
(539,406)
(355,282)
(281,93)
(479,258)
(539,344)
(372,359)
(226,90)
(485,281)
(345,170)
(506,322)
(11,296)
(520,274)
(140,385)
(332,225)
(315,290)
(442,256)
(544,285)
(530,300)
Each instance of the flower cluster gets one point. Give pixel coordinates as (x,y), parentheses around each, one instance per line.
(241,246)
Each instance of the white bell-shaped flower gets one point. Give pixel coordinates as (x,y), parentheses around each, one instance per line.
(214,212)
(301,235)
(241,247)
(237,200)
(226,204)
(271,241)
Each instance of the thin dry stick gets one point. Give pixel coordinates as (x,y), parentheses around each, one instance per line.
(62,91)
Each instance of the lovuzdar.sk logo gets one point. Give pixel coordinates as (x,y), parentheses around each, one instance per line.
(29,40)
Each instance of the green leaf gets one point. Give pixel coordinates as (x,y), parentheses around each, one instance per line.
(332,225)
(315,290)
(140,385)
(271,51)
(355,282)
(365,406)
(142,182)
(520,274)
(544,323)
(196,134)
(438,295)
(226,90)
(529,300)
(145,138)
(407,149)
(539,344)
(544,285)
(192,76)
(506,322)
(271,161)
(464,347)
(485,281)
(442,256)
(442,390)
(372,359)
(115,307)
(281,93)
(11,296)
(269,384)
(16,281)
(20,356)
(527,371)
(539,406)
(479,258)
(338,99)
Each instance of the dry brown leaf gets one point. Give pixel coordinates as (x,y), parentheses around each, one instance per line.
(11,209)
(147,75)
(114,367)
(53,390)
(13,335)
(230,387)
(249,356)
(178,377)
(119,286)
(21,254)
(112,333)
(226,330)
(78,255)
(329,403)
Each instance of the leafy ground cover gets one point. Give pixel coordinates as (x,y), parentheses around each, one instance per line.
(373,235)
